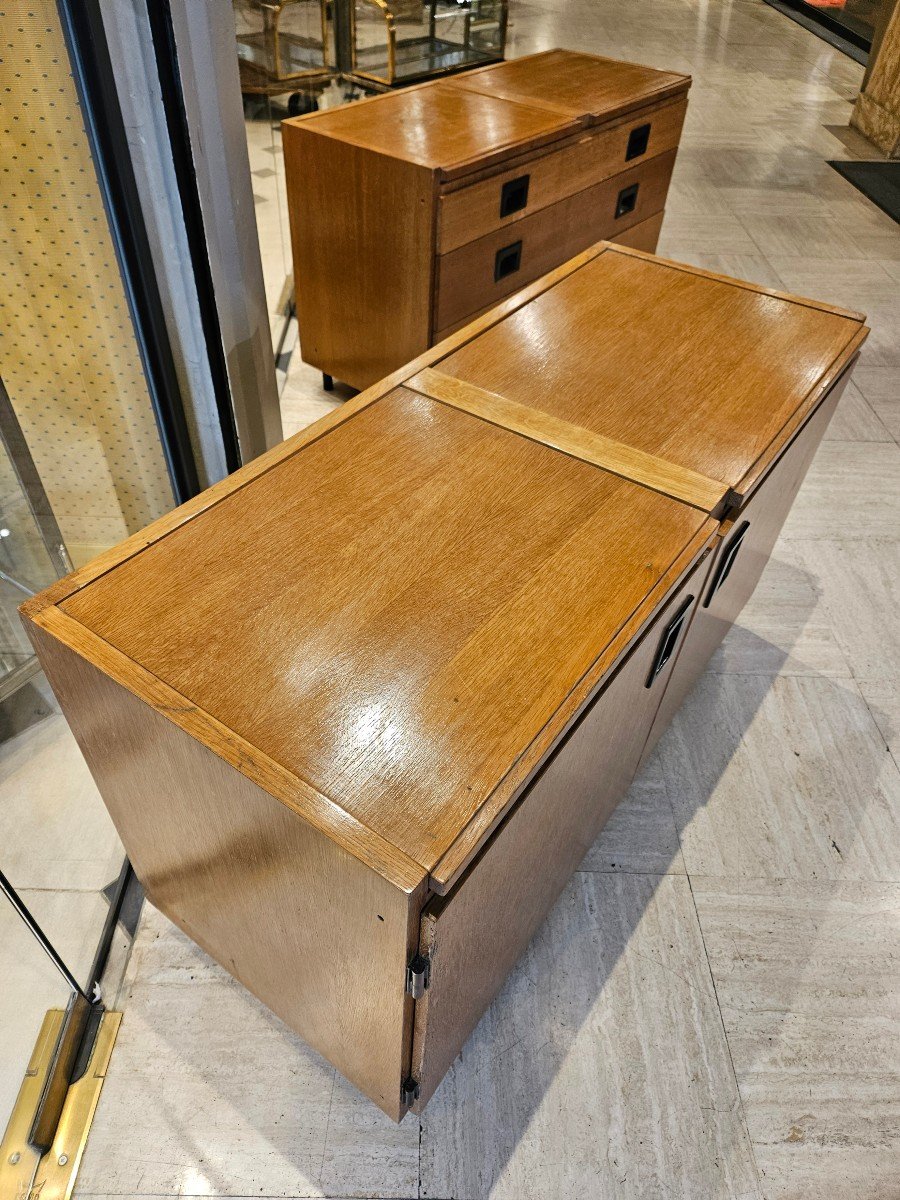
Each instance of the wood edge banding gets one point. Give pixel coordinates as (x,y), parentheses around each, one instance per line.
(445,874)
(319,810)
(679,483)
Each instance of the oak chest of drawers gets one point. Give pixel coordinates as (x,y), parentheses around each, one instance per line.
(358,710)
(413,212)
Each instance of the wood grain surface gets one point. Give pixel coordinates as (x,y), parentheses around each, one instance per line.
(476,934)
(470,212)
(693,368)
(571,83)
(655,473)
(466,277)
(505,571)
(319,937)
(642,236)
(362,233)
(438,126)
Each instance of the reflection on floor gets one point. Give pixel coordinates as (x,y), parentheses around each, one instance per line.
(712,1010)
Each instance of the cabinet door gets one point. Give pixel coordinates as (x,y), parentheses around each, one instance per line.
(474,936)
(744,547)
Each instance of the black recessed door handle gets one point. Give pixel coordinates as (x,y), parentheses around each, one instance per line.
(507,261)
(726,562)
(626,201)
(669,641)
(638,141)
(514,195)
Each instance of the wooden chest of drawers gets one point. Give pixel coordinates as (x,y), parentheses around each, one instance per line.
(358,710)
(413,212)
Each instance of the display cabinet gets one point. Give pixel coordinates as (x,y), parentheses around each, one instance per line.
(400,41)
(281,44)
(357,756)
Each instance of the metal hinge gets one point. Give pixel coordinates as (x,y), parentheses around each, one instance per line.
(409,1091)
(418,976)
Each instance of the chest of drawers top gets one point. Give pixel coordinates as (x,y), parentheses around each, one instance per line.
(456,126)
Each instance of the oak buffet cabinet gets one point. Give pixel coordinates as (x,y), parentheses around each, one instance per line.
(413,212)
(358,710)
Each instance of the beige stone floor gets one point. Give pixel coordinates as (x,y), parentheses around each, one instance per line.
(712,1010)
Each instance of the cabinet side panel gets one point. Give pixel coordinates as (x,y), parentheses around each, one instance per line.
(758,525)
(321,939)
(362,233)
(476,934)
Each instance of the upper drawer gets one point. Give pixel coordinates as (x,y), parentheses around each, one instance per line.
(506,197)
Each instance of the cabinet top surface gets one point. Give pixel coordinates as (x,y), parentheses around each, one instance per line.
(398,610)
(439,126)
(454,125)
(697,370)
(576,84)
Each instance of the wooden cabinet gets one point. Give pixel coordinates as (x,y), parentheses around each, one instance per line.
(412,212)
(357,753)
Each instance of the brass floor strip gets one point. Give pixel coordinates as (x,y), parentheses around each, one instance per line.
(23,1172)
(668,478)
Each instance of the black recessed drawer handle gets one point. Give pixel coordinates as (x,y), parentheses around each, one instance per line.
(508,260)
(726,562)
(669,640)
(514,195)
(638,141)
(626,201)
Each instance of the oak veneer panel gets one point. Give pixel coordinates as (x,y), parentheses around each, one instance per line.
(475,935)
(470,212)
(643,236)
(362,226)
(763,515)
(465,277)
(505,571)
(565,81)
(694,368)
(320,938)
(438,127)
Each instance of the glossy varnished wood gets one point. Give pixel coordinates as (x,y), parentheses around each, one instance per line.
(438,127)
(655,473)
(308,927)
(476,934)
(697,369)
(403,694)
(472,211)
(643,236)
(570,83)
(343,198)
(466,276)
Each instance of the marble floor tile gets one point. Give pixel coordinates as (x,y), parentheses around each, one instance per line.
(683,236)
(855,420)
(881,388)
(784,777)
(852,491)
(883,699)
(807,975)
(601,1069)
(209,1093)
(640,836)
(784,628)
(860,584)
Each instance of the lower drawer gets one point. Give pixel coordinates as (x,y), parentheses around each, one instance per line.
(475,935)
(485,271)
(642,236)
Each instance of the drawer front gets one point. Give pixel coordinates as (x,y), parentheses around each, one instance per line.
(741,554)
(485,271)
(506,198)
(474,936)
